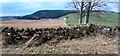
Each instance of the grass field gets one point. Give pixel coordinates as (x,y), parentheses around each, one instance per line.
(107,19)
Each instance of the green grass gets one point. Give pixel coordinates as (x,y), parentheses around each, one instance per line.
(72,19)
(107,19)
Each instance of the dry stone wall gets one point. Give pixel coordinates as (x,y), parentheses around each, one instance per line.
(38,36)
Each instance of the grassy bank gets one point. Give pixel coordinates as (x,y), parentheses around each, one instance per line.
(107,19)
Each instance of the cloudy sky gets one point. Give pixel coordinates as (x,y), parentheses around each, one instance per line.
(24,7)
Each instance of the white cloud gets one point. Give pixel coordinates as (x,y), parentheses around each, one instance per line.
(11,15)
(1,14)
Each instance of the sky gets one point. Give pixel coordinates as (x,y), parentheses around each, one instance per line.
(25,7)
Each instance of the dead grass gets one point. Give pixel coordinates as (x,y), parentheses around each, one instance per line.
(90,45)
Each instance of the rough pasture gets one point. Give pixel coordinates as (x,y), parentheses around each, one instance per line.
(91,45)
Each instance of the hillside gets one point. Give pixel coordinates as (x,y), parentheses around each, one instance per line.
(108,19)
(44,14)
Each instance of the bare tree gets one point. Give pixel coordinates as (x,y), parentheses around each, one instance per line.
(85,8)
(79,7)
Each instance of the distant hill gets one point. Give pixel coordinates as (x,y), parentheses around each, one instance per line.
(4,18)
(47,14)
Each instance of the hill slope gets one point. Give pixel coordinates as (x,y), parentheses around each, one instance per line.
(48,14)
(108,19)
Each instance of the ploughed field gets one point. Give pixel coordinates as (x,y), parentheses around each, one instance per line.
(33,23)
(44,38)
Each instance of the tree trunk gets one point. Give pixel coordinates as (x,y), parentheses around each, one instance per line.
(81,13)
(88,12)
